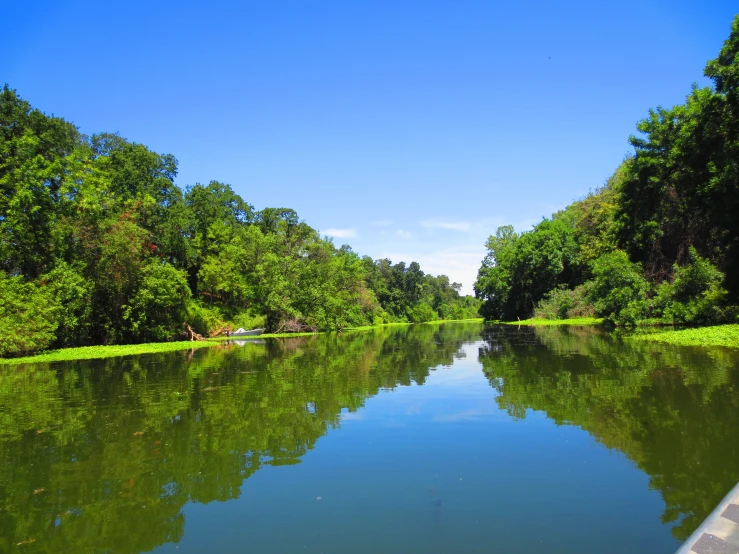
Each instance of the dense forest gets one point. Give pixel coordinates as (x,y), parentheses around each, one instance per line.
(659,241)
(99,245)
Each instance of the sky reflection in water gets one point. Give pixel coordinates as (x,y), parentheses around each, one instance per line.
(453,438)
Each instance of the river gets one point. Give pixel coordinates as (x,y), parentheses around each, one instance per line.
(456,437)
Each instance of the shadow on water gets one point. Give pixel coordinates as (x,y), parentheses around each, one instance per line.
(103,455)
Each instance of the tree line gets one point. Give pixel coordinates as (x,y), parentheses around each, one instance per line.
(99,245)
(659,241)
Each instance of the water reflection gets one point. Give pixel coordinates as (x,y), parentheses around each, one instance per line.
(673,411)
(102,456)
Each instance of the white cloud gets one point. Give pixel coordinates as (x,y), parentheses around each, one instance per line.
(450,225)
(460,264)
(340,233)
(403,234)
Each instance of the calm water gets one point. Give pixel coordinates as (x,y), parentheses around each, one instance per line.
(453,438)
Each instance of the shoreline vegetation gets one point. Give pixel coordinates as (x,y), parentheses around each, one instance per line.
(706,336)
(717,335)
(711,336)
(100,245)
(113,351)
(656,244)
(541,322)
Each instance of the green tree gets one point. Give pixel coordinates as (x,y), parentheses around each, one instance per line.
(28,316)
(157,310)
(619,289)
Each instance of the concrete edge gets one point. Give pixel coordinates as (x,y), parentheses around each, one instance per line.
(708,523)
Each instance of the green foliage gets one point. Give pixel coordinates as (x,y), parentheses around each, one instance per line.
(406,294)
(246,320)
(618,289)
(79,353)
(29,316)
(422,312)
(696,296)
(519,270)
(157,310)
(73,292)
(673,202)
(680,189)
(540,322)
(594,218)
(719,335)
(562,303)
(34,159)
(97,226)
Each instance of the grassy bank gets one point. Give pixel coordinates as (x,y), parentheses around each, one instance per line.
(100,352)
(440,321)
(719,335)
(370,327)
(263,336)
(113,351)
(546,322)
(436,322)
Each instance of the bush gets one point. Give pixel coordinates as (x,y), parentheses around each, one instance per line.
(247,320)
(29,316)
(73,293)
(696,295)
(618,289)
(157,310)
(202,318)
(562,303)
(422,312)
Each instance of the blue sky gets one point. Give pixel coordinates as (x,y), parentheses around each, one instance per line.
(409,130)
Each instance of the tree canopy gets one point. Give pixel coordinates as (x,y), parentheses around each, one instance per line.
(99,245)
(623,250)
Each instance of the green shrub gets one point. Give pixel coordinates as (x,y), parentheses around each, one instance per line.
(73,293)
(203,318)
(29,316)
(562,303)
(618,289)
(696,295)
(422,312)
(157,310)
(247,320)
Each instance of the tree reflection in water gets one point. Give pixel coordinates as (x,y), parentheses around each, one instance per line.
(102,455)
(673,411)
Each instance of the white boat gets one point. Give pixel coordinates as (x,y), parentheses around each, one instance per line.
(244,333)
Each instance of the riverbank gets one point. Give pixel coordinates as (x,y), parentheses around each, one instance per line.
(114,351)
(262,336)
(436,322)
(718,335)
(110,351)
(548,322)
